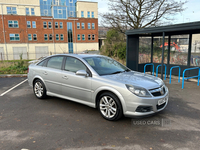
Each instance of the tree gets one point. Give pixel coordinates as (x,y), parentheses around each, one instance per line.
(134,14)
(115,45)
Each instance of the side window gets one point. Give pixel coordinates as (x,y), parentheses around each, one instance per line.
(42,63)
(55,62)
(73,65)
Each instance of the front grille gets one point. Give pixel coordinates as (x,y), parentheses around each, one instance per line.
(144,109)
(158,91)
(160,106)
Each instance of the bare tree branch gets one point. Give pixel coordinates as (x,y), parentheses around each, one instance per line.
(134,14)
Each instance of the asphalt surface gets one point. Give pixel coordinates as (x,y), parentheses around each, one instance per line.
(56,124)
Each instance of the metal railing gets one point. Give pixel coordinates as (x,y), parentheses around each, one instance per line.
(151,64)
(198,76)
(165,70)
(171,73)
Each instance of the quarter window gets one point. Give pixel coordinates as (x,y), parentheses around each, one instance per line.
(28,24)
(14,37)
(55,62)
(13,24)
(73,65)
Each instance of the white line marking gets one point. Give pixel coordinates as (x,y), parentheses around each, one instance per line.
(13,87)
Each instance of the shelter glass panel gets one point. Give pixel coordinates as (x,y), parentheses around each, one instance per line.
(195,51)
(144,50)
(179,49)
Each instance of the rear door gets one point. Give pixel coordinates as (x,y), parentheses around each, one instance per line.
(52,74)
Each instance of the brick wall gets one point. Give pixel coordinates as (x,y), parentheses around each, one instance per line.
(23,31)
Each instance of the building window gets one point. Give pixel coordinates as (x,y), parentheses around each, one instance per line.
(32,11)
(50,37)
(61,25)
(89,37)
(14,37)
(56,2)
(79,37)
(83,25)
(27,11)
(61,37)
(93,37)
(57,37)
(56,25)
(33,24)
(45,12)
(88,14)
(83,37)
(28,24)
(93,26)
(70,1)
(49,25)
(59,11)
(30,37)
(82,14)
(71,14)
(92,14)
(45,24)
(89,26)
(45,37)
(78,25)
(34,37)
(11,10)
(13,24)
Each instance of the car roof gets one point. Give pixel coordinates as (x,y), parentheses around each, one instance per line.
(80,55)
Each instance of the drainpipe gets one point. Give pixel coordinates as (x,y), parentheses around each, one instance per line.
(4,31)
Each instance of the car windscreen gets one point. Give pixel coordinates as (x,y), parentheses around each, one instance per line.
(105,65)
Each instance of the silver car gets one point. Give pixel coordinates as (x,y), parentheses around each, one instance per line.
(99,82)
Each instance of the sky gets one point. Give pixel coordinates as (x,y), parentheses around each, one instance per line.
(191,14)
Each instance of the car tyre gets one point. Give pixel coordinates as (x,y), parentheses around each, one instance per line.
(39,89)
(109,106)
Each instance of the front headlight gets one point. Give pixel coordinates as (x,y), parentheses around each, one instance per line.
(138,91)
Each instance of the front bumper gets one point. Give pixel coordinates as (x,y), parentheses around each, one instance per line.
(150,105)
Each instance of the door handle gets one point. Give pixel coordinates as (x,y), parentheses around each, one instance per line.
(65,77)
(45,73)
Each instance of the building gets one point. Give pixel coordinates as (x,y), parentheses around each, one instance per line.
(43,27)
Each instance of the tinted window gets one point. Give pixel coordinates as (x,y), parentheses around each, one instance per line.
(55,62)
(42,63)
(73,65)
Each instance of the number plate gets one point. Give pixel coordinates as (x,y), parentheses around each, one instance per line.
(161,101)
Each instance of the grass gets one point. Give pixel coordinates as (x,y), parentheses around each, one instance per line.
(14,66)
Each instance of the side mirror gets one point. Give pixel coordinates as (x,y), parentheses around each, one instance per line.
(82,73)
